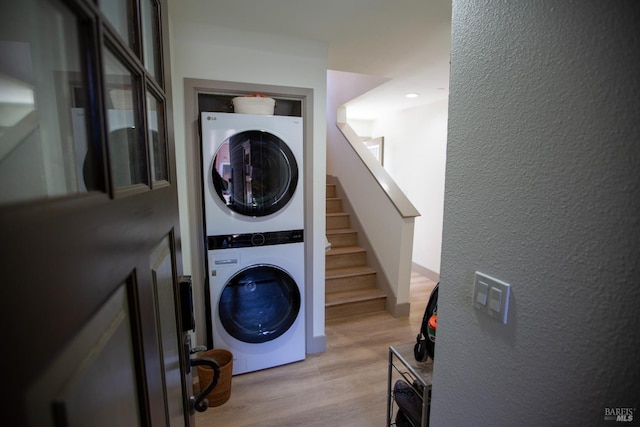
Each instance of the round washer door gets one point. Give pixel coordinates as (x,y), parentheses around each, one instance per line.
(259,304)
(254,173)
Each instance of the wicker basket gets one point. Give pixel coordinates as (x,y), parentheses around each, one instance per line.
(221,393)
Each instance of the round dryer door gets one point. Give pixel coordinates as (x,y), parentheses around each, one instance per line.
(259,304)
(254,173)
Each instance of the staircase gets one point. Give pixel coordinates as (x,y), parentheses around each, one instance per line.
(350,284)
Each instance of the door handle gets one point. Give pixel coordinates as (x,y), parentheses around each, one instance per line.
(200,403)
(197,403)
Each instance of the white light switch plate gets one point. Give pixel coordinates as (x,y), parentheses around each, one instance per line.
(491,296)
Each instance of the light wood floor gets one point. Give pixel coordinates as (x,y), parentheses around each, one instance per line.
(345,386)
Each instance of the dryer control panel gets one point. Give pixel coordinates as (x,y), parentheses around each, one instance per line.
(228,241)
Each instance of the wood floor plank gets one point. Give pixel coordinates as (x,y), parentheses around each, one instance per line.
(346,385)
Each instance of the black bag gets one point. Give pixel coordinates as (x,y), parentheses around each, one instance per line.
(402,420)
(409,405)
(425,341)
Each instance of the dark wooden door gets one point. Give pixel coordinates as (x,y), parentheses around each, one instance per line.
(89,231)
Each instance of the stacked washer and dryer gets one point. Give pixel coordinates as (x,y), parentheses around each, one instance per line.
(254,220)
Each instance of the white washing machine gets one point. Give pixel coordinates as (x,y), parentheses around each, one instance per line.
(252,173)
(256,298)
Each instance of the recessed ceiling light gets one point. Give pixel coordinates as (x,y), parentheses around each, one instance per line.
(412,95)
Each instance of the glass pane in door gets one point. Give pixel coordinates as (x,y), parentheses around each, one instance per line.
(118,12)
(44,149)
(151,39)
(157,139)
(126,144)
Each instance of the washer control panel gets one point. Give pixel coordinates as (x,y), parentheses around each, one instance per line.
(227,241)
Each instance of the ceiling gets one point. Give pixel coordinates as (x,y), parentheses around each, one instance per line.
(406,41)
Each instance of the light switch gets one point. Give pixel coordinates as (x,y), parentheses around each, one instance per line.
(495,299)
(482,293)
(491,296)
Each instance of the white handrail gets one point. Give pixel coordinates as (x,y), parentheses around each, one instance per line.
(401,202)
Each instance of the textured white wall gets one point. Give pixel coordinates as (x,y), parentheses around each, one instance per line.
(542,191)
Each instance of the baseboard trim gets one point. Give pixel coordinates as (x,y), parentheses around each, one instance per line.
(395,309)
(317,344)
(429,274)
(402,310)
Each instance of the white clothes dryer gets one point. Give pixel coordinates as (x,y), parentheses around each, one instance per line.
(252,173)
(256,298)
